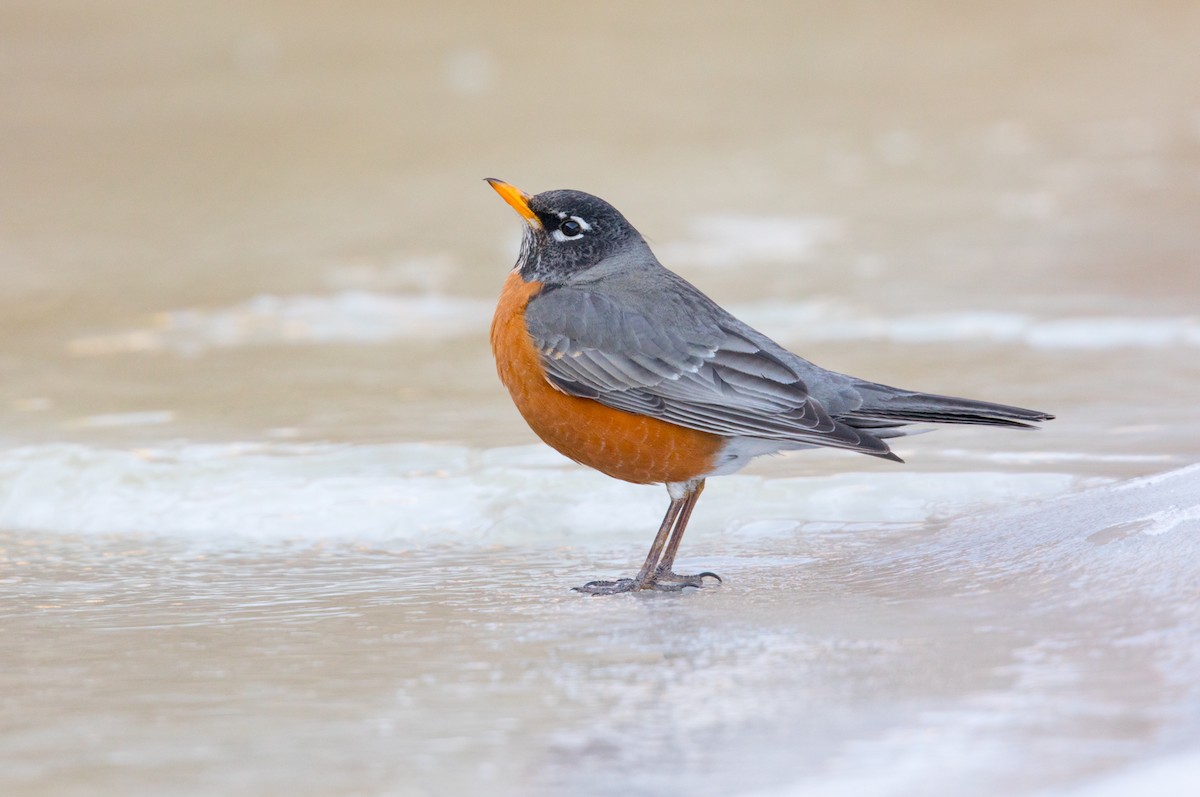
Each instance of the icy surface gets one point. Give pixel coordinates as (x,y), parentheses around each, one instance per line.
(408,494)
(882,633)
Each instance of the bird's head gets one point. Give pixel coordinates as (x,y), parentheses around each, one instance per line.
(567,233)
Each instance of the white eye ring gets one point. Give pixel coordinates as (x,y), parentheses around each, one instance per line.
(560,236)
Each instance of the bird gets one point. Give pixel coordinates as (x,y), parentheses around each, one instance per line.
(624,366)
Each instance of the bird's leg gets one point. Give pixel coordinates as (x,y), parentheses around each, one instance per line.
(650,566)
(664,577)
(646,574)
(656,572)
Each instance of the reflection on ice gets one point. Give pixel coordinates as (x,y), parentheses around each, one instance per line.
(835,321)
(733,240)
(351,316)
(365,317)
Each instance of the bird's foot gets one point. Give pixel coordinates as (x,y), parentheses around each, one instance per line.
(673,582)
(660,582)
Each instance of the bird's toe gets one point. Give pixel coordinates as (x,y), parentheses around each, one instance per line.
(608,587)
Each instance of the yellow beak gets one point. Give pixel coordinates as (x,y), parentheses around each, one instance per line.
(517,198)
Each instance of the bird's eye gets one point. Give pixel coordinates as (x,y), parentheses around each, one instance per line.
(570,228)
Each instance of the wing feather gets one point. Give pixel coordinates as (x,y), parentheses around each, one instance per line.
(700,371)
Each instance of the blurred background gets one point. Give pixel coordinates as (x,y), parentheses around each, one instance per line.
(208,210)
(247,266)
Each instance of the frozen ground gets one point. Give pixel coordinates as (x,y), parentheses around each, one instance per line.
(204,618)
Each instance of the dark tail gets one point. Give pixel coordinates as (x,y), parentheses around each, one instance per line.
(886,407)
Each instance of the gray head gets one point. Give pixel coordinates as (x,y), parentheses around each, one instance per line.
(568,232)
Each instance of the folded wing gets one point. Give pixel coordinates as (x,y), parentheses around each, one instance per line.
(683,364)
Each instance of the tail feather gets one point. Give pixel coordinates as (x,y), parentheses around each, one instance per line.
(885,407)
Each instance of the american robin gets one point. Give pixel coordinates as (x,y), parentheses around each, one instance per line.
(624,366)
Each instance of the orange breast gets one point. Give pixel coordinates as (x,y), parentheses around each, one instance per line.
(635,448)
